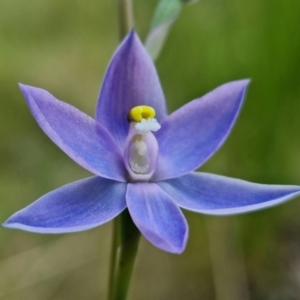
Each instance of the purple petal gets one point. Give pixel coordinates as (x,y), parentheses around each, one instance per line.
(219,195)
(77,134)
(130,80)
(157,216)
(77,206)
(193,133)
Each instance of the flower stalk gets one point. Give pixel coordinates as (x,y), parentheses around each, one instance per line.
(125,17)
(124,249)
(125,234)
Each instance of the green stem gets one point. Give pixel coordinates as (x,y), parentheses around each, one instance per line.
(125,234)
(124,249)
(125,17)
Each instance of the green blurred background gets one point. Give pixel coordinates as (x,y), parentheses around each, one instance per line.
(64,47)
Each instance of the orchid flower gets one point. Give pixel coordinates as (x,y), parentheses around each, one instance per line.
(142,158)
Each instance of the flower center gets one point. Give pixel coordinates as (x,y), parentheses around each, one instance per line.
(141,147)
(138,155)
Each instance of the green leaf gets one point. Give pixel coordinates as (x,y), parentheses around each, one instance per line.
(166,13)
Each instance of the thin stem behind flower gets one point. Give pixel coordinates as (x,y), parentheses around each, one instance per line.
(125,234)
(125,17)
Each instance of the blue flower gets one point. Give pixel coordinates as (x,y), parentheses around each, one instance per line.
(143,159)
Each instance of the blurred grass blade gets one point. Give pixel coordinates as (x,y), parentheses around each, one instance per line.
(166,13)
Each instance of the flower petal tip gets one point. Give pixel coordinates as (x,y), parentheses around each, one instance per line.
(132,31)
(6,224)
(243,83)
(246,81)
(174,250)
(24,87)
(27,90)
(180,250)
(13,225)
(132,38)
(164,244)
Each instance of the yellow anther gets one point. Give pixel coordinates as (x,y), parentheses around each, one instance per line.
(138,113)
